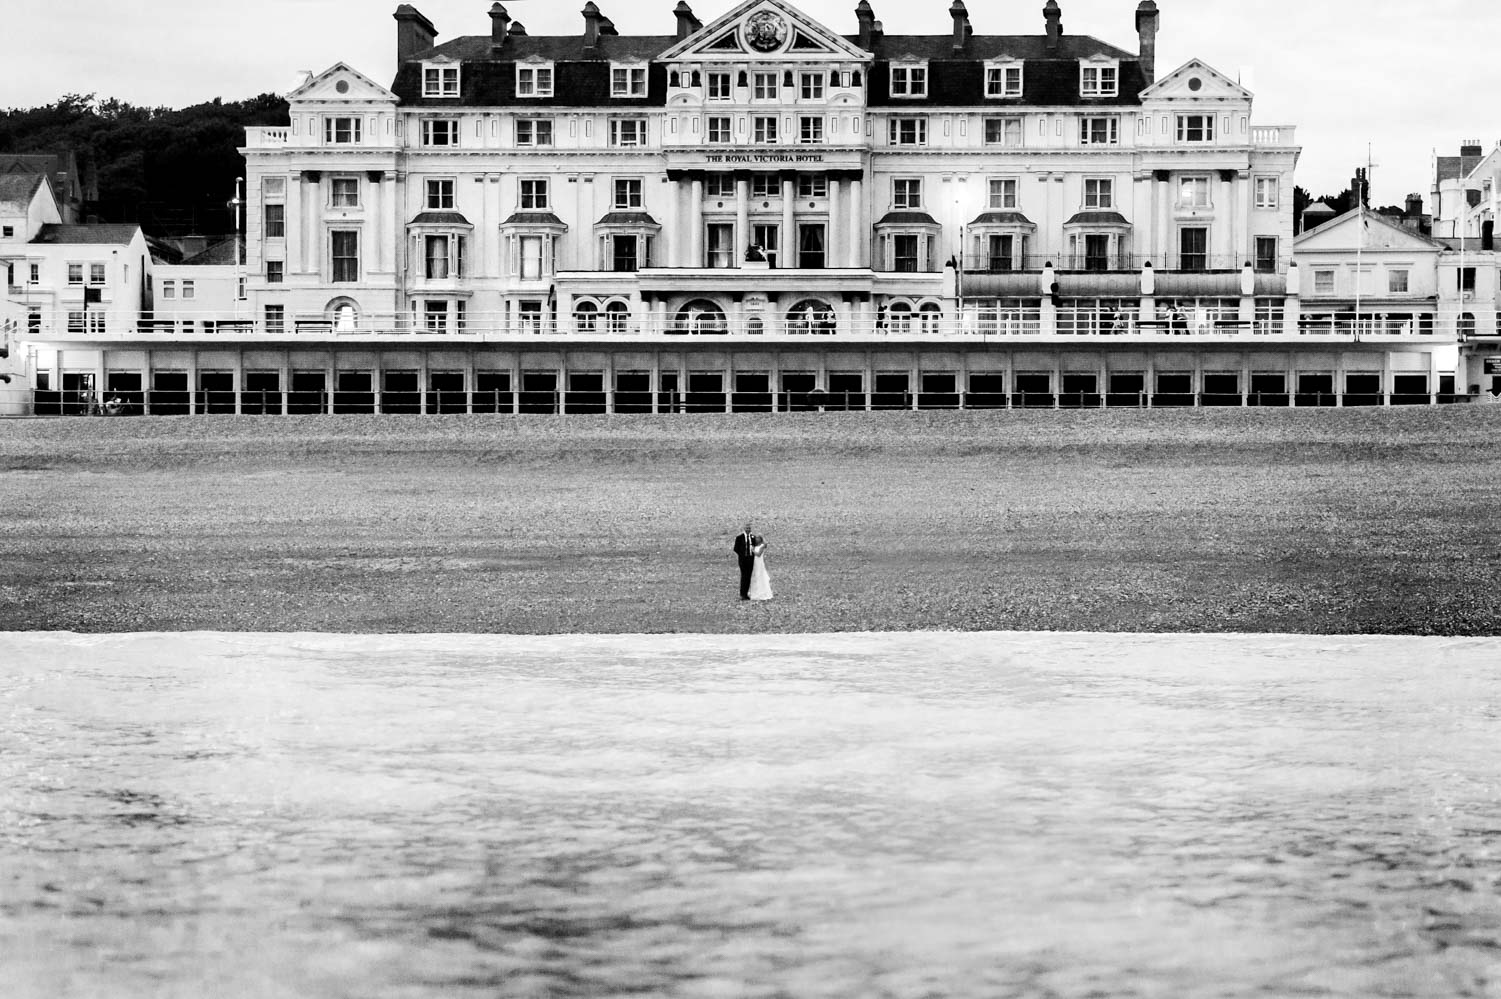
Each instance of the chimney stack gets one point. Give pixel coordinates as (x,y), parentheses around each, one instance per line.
(962,29)
(1053,15)
(414,33)
(499,20)
(687,23)
(518,30)
(1414,205)
(1471,147)
(1146,33)
(867,18)
(591,25)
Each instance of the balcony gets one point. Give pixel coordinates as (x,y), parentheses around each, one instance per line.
(267,137)
(1280,136)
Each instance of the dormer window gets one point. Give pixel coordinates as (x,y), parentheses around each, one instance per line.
(534,80)
(627,81)
(440,81)
(909,80)
(1003,79)
(1099,79)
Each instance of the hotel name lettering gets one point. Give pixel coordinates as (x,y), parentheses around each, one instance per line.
(763,158)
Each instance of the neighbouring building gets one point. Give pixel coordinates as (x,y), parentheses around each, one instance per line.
(758,213)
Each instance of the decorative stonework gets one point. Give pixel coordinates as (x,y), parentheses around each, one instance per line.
(765,31)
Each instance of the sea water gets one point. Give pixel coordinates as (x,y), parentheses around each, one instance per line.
(237,815)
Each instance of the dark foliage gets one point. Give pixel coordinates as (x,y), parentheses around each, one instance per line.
(172,171)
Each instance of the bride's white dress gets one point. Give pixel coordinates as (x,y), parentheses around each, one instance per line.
(760,584)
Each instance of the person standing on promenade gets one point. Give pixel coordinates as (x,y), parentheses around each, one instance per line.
(746,544)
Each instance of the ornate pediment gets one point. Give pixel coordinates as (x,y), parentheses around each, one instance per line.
(1196,80)
(764,28)
(341,82)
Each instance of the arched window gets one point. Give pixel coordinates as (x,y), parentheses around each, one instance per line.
(344,313)
(899,318)
(617,315)
(929,317)
(811,315)
(586,316)
(700,316)
(1466,325)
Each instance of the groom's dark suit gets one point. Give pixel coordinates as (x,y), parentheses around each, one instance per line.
(745,544)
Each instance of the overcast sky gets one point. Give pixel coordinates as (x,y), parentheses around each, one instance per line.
(1405,78)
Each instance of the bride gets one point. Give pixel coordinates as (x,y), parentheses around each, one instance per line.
(760,584)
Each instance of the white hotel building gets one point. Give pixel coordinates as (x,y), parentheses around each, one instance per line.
(760,213)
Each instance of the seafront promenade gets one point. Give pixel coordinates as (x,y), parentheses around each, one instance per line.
(1374,521)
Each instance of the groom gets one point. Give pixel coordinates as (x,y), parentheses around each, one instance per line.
(745,545)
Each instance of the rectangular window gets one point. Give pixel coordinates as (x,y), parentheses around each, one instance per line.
(908,131)
(999,252)
(904,253)
(273,188)
(719,87)
(719,185)
(35,274)
(440,193)
(811,86)
(1099,192)
(276,221)
(1003,81)
(628,131)
(1266,253)
(7,231)
(766,236)
(719,128)
(812,185)
(809,128)
(624,254)
(720,245)
(440,81)
(435,256)
(1101,131)
(533,81)
(1396,281)
(1193,248)
(1196,128)
(344,252)
(275,271)
(440,132)
(1002,193)
(75,274)
(1266,192)
(188,290)
(765,185)
(906,192)
(534,131)
(169,288)
(628,81)
(1323,282)
(909,81)
(531,257)
(764,86)
(628,192)
(533,194)
(765,128)
(1003,131)
(810,246)
(1193,192)
(96,274)
(434,315)
(276,318)
(345,192)
(341,130)
(1467,279)
(1097,81)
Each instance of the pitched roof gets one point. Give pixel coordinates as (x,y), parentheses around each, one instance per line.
(1003,218)
(627,218)
(17,190)
(224,252)
(439,218)
(94,234)
(907,218)
(1098,218)
(1447,168)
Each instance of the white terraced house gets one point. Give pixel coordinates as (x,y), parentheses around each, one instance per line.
(760,213)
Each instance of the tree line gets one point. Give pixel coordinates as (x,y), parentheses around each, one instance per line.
(170,170)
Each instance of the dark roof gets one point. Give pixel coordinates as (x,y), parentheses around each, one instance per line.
(19,188)
(102,234)
(1446,168)
(1469,244)
(1002,218)
(907,218)
(627,218)
(226,251)
(535,218)
(440,218)
(582,76)
(1319,207)
(1098,218)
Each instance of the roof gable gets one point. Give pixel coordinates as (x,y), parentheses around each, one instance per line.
(768,28)
(1196,80)
(1362,230)
(341,82)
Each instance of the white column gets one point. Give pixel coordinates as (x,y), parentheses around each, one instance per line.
(787,255)
(294,225)
(696,222)
(857,225)
(834,250)
(742,219)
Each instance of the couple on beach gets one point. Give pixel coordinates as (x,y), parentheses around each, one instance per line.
(755,581)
